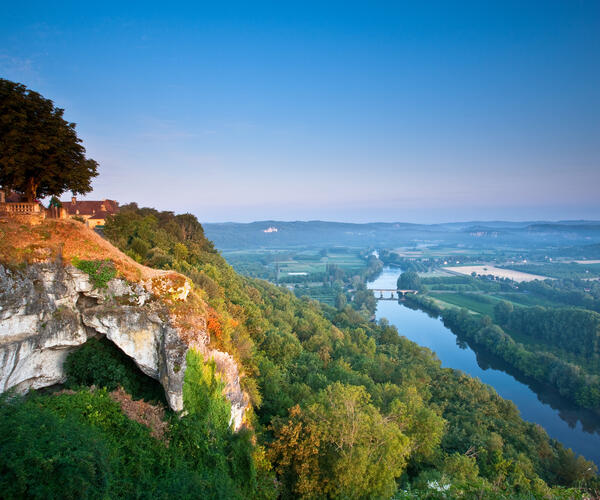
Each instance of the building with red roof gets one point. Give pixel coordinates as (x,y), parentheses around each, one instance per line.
(94,213)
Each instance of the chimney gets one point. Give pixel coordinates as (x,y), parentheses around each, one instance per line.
(73,200)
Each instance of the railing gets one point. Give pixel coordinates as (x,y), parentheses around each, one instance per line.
(20,208)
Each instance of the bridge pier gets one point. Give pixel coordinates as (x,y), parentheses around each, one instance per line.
(394,293)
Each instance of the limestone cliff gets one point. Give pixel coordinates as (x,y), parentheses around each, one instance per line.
(48,309)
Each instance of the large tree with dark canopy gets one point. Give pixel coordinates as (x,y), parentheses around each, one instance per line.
(409,280)
(40,153)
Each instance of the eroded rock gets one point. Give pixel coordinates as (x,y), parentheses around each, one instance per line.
(47,310)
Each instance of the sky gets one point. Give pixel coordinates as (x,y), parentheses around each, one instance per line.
(350,111)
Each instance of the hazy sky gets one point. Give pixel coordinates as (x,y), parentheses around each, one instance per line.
(403,111)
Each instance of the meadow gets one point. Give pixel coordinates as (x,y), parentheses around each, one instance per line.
(476,302)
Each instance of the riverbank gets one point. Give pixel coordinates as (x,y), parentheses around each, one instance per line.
(574,427)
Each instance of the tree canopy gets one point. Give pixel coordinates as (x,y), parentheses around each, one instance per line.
(409,280)
(40,153)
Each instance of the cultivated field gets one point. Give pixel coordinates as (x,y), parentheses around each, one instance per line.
(436,273)
(495,271)
(479,303)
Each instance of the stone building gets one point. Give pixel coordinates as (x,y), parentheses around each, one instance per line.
(94,213)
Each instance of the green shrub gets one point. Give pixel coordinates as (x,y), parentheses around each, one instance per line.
(99,362)
(44,456)
(99,271)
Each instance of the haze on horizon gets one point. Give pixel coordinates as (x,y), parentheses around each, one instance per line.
(349,111)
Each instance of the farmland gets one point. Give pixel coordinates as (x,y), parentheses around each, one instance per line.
(579,269)
(295,265)
(483,270)
(478,303)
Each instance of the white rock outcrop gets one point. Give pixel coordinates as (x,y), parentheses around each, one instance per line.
(48,310)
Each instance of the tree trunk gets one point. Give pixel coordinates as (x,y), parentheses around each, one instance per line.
(31,192)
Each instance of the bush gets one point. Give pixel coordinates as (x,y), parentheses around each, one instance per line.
(99,362)
(43,456)
(99,271)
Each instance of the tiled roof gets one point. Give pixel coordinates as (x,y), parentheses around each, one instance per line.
(88,207)
(103,214)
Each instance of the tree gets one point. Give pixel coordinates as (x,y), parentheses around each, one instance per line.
(40,153)
(340,301)
(339,447)
(502,312)
(409,280)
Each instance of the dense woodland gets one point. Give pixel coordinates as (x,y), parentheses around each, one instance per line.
(342,407)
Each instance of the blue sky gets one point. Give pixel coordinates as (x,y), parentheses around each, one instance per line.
(357,111)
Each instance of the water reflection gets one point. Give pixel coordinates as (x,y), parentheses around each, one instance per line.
(574,427)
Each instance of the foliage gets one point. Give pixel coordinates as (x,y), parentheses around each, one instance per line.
(40,153)
(220,452)
(339,446)
(81,445)
(299,357)
(409,280)
(100,363)
(99,271)
(571,381)
(43,456)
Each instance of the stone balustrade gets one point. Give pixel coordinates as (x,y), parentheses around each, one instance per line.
(20,208)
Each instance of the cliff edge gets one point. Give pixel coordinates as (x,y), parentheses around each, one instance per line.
(50,304)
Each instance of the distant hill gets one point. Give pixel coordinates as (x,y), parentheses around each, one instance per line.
(286,234)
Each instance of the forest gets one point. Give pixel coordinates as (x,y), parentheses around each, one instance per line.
(342,407)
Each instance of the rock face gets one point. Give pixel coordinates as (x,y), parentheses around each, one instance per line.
(48,310)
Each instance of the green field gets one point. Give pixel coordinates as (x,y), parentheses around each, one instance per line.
(478,303)
(314,263)
(425,251)
(484,303)
(436,273)
(264,263)
(526,299)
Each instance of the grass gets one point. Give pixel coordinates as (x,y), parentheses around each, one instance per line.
(67,240)
(526,299)
(436,273)
(440,251)
(483,303)
(293,266)
(99,271)
(478,303)
(309,261)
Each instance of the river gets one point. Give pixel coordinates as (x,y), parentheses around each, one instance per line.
(575,428)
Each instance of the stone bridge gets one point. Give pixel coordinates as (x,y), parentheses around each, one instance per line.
(399,292)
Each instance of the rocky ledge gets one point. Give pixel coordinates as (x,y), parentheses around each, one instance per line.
(47,310)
